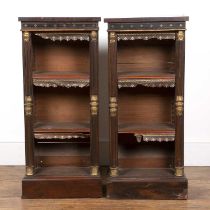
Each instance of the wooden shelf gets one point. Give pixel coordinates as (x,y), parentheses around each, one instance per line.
(59,75)
(148,79)
(151,132)
(61,127)
(61,132)
(147,128)
(60,79)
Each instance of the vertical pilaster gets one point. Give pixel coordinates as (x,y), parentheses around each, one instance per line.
(28,102)
(113,116)
(179,98)
(94,104)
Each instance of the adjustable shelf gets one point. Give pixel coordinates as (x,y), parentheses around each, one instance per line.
(146,88)
(60,63)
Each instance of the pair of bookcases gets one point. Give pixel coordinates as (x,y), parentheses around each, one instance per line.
(146,108)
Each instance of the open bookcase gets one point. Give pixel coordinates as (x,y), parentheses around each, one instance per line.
(60,63)
(146,92)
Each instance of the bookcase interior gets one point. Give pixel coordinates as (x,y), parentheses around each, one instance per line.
(61,56)
(145,57)
(143,105)
(133,154)
(145,110)
(65,154)
(61,105)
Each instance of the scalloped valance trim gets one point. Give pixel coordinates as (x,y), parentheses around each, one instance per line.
(65,36)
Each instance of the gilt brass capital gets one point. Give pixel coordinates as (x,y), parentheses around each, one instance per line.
(26,36)
(180,35)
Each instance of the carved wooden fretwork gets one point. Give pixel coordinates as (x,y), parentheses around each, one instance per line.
(61,83)
(146,36)
(47,136)
(153,138)
(64,36)
(147,83)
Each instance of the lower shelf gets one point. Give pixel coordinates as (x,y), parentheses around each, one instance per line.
(162,132)
(146,128)
(62,182)
(147,184)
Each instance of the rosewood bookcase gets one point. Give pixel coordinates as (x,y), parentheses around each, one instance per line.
(60,64)
(146,94)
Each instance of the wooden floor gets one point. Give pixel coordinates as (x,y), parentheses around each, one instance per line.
(10,195)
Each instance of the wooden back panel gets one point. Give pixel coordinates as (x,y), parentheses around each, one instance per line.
(65,154)
(140,55)
(145,105)
(145,154)
(61,104)
(61,56)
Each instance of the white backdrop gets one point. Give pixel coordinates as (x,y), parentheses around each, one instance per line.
(197,85)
